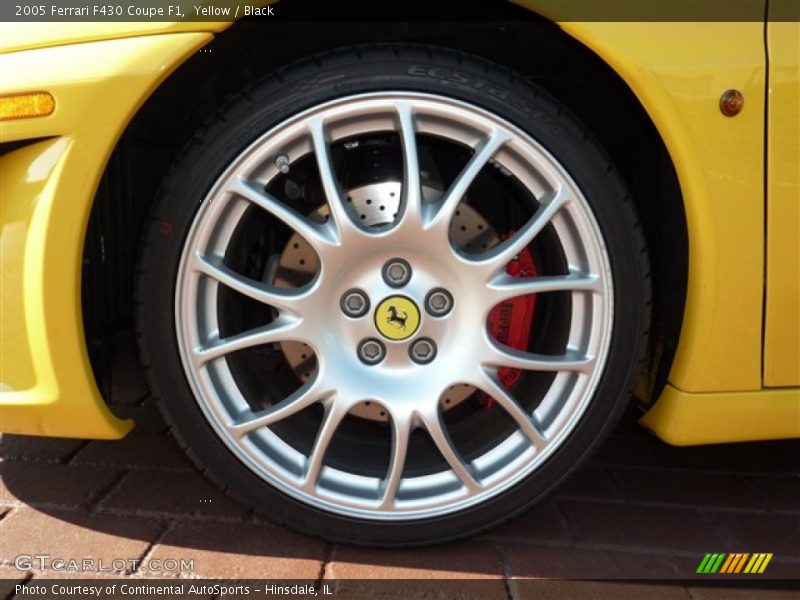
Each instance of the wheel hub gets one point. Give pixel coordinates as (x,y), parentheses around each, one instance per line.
(376,205)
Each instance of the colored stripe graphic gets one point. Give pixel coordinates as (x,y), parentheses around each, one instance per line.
(741,562)
(734,563)
(703,563)
(763,563)
(716,565)
(711,562)
(734,560)
(727,564)
(755,562)
(758,563)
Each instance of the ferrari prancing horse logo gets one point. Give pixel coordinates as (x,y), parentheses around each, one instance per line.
(397,318)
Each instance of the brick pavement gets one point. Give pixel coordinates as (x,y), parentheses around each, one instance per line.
(639,509)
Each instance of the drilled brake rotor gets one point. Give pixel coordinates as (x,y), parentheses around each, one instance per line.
(376,204)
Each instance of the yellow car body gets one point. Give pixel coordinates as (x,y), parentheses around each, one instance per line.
(736,372)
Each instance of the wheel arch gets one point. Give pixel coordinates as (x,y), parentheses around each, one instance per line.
(592,87)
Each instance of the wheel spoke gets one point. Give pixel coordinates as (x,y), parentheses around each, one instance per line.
(401,431)
(447,205)
(333,193)
(284,328)
(411,200)
(334,413)
(504,287)
(499,256)
(524,421)
(214,267)
(444,443)
(314,234)
(505,356)
(311,392)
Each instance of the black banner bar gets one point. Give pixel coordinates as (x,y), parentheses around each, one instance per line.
(110,11)
(342,589)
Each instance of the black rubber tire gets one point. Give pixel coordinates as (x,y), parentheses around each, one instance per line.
(362,69)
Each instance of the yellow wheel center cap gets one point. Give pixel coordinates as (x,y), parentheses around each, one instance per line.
(397,318)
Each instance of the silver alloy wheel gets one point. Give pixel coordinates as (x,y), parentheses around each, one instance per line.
(352,256)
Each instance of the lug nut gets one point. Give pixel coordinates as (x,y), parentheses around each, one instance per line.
(371,351)
(423,351)
(354,303)
(439,302)
(396,272)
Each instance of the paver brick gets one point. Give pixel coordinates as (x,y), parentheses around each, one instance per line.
(461,570)
(757,457)
(689,488)
(74,535)
(629,451)
(457,560)
(41,484)
(138,450)
(242,551)
(655,528)
(592,481)
(168,494)
(543,523)
(778,492)
(640,509)
(33,448)
(578,563)
(777,533)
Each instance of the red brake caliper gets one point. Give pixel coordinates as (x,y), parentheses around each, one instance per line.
(510,322)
